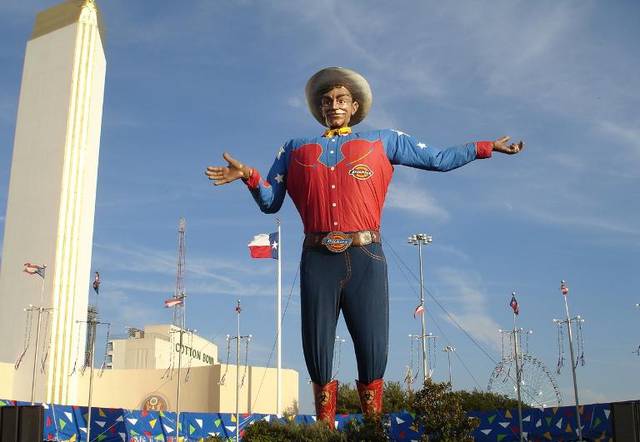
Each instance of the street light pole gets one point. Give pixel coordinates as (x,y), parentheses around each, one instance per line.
(448,349)
(419,239)
(92,323)
(238,310)
(565,291)
(518,373)
(34,373)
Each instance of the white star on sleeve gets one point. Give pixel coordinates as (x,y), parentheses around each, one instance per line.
(280,152)
(279,178)
(399,132)
(422,145)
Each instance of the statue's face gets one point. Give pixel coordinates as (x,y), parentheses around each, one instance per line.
(337,107)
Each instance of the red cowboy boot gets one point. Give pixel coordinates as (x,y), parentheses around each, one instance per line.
(325,397)
(371,397)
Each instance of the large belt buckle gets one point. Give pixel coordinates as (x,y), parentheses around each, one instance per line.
(337,242)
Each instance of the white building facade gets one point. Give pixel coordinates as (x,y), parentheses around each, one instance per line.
(158,346)
(51,200)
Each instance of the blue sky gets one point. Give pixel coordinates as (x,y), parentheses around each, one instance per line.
(187,81)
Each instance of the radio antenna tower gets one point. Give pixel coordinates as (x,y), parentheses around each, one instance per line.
(178,311)
(637,351)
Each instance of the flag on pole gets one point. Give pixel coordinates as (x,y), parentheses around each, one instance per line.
(564,288)
(34,269)
(96,283)
(419,310)
(514,304)
(173,302)
(265,246)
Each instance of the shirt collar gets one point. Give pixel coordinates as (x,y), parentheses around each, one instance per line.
(330,133)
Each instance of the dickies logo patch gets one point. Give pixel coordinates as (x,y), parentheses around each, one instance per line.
(337,242)
(361,172)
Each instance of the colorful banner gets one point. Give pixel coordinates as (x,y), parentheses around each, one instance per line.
(68,424)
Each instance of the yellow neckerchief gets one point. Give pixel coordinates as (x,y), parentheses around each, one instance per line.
(330,133)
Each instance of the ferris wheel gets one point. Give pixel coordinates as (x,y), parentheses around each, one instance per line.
(538,387)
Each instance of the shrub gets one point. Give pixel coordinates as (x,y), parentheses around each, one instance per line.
(263,431)
(440,412)
(370,429)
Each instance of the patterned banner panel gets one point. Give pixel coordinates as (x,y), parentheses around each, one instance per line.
(68,424)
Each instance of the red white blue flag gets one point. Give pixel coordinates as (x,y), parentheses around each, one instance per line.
(34,269)
(514,304)
(174,302)
(564,288)
(96,283)
(419,310)
(265,246)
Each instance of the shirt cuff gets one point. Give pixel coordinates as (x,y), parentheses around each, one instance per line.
(254,180)
(484,149)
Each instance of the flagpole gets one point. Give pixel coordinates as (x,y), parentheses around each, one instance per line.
(518,371)
(279,326)
(238,310)
(35,353)
(44,269)
(178,386)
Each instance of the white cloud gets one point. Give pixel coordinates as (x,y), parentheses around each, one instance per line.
(627,136)
(132,266)
(295,102)
(470,311)
(404,196)
(584,220)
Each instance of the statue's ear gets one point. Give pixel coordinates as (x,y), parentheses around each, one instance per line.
(356,105)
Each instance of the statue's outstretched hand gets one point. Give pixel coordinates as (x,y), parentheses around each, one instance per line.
(226,174)
(502,145)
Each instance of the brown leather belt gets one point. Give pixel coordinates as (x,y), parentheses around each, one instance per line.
(340,241)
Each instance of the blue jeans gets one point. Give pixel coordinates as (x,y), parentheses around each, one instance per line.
(354,281)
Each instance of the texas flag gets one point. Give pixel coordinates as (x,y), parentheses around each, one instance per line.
(514,304)
(265,246)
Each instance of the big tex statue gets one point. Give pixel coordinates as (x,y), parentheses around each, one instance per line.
(338,182)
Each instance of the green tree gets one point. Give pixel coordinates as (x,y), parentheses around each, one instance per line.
(439,411)
(348,400)
(394,399)
(291,411)
(485,401)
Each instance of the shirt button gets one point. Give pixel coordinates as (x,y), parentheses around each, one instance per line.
(332,151)
(335,223)
(333,168)
(333,186)
(333,204)
(333,139)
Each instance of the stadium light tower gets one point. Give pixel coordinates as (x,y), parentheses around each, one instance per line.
(420,239)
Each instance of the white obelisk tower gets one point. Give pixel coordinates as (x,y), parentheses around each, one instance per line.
(51,201)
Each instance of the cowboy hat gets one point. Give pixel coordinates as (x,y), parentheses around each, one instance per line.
(326,78)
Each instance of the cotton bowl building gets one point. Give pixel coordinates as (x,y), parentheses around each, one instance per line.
(141,372)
